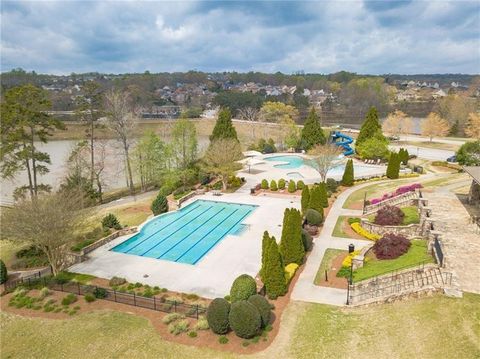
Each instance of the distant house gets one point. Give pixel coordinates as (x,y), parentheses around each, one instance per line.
(438,94)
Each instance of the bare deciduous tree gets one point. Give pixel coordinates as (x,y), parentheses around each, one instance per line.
(122,121)
(473,125)
(252,116)
(221,159)
(322,158)
(47,223)
(434,126)
(397,123)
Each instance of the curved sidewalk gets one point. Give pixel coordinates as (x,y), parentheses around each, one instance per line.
(304,289)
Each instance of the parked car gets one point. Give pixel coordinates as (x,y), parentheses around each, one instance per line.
(393,138)
(452,159)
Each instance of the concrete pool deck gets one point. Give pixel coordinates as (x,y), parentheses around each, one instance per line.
(264,169)
(213,275)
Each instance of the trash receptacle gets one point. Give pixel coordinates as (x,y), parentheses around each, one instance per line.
(351,248)
(252,190)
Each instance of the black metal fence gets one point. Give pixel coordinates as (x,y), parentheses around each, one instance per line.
(153,303)
(27,280)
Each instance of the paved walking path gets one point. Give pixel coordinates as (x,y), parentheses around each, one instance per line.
(304,289)
(459,237)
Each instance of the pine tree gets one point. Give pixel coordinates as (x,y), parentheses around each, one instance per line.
(348,175)
(312,133)
(275,283)
(305,198)
(370,127)
(406,157)
(223,127)
(291,244)
(316,200)
(265,245)
(403,155)
(393,167)
(323,193)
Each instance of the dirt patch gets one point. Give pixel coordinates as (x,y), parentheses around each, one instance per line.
(333,280)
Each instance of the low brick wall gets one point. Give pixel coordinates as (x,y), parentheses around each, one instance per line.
(410,231)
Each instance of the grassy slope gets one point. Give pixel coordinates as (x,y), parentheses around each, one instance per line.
(330,255)
(416,254)
(373,191)
(436,327)
(337,230)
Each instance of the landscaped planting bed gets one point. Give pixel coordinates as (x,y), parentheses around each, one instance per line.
(375,267)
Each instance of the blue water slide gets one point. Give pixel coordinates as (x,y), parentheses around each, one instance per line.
(343,141)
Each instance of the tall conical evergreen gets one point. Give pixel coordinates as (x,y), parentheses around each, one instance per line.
(370,127)
(348,175)
(275,283)
(305,198)
(265,245)
(224,127)
(393,167)
(323,192)
(291,244)
(312,133)
(316,200)
(403,155)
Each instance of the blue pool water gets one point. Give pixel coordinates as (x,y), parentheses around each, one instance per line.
(188,234)
(292,162)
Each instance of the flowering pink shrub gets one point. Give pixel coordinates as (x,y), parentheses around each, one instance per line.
(397,192)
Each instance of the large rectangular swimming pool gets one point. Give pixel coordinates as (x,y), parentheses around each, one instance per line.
(188,234)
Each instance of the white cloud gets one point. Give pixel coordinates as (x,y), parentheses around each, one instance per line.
(129,36)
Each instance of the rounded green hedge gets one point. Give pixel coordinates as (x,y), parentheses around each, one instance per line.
(307,240)
(291,186)
(242,288)
(263,307)
(245,319)
(273,185)
(264,184)
(313,217)
(217,315)
(281,183)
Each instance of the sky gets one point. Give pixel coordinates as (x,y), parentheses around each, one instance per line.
(368,37)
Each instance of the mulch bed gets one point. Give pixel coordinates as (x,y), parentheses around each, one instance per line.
(205,338)
(333,280)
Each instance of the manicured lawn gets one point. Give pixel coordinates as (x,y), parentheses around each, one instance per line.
(435,327)
(411,215)
(77,277)
(329,256)
(338,230)
(427,328)
(417,253)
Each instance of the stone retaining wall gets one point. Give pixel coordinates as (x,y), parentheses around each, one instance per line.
(107,239)
(410,231)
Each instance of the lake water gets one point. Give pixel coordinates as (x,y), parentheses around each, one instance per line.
(115,174)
